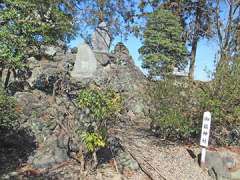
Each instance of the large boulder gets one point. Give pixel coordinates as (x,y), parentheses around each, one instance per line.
(101,38)
(223,163)
(128,78)
(54,53)
(18,86)
(50,155)
(85,64)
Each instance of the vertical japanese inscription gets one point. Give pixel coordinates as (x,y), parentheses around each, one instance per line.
(205,129)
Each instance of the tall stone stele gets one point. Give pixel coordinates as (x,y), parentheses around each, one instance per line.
(86,64)
(101,38)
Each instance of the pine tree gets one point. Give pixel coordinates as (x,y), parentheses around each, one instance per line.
(196,17)
(163,49)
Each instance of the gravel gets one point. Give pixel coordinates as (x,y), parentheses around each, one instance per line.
(169,162)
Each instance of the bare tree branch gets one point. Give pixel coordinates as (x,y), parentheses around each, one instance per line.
(229,25)
(218,24)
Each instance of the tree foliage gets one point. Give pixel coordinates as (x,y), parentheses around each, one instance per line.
(26,23)
(118,15)
(221,97)
(196,18)
(163,49)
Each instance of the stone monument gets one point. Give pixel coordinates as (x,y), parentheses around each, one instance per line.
(85,64)
(101,38)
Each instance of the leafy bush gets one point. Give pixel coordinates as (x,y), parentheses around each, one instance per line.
(172,113)
(93,141)
(222,98)
(179,106)
(172,125)
(8,113)
(101,103)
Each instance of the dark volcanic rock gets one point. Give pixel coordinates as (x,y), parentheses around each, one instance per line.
(223,163)
(16,147)
(51,154)
(18,86)
(54,121)
(46,80)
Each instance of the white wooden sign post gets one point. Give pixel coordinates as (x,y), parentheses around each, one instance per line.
(205,135)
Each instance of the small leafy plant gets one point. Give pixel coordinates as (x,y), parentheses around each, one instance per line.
(93,141)
(101,103)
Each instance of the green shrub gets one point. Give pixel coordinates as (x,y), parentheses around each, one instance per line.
(179,106)
(8,113)
(93,141)
(172,124)
(222,98)
(173,110)
(101,103)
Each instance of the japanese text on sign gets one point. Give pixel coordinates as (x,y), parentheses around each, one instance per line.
(205,129)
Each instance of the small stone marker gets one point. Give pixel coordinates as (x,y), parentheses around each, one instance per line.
(205,135)
(85,64)
(101,38)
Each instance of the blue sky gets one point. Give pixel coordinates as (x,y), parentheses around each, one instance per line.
(205,60)
(206,52)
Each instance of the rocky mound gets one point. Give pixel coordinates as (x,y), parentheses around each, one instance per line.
(46,94)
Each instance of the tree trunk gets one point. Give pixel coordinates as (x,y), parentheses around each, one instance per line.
(14,74)
(7,78)
(225,40)
(1,74)
(193,59)
(222,59)
(101,4)
(195,41)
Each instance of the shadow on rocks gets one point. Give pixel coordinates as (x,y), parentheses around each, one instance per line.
(16,146)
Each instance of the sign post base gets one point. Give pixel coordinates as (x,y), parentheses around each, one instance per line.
(203,157)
